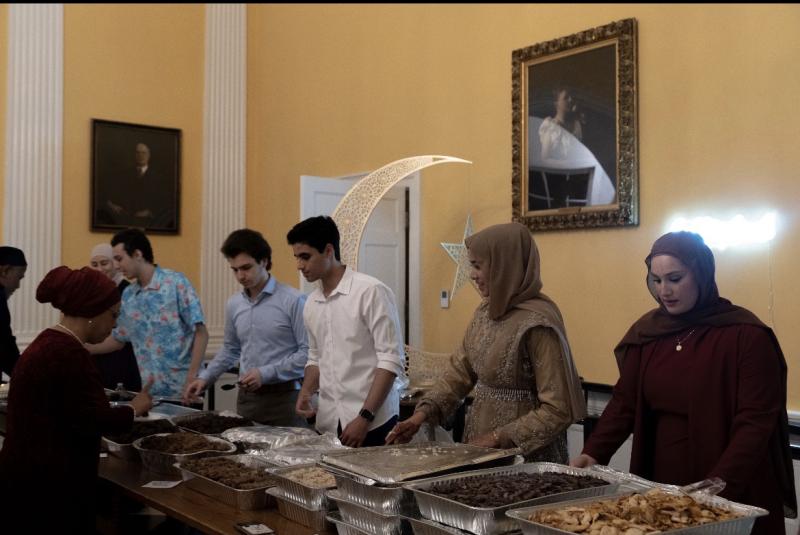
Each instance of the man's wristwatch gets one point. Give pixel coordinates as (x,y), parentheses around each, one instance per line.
(367,415)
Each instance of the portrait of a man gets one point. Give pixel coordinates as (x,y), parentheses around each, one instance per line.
(135,177)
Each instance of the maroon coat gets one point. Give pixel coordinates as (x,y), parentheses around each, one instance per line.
(736,404)
(57,411)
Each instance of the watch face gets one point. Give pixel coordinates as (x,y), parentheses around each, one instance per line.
(366,415)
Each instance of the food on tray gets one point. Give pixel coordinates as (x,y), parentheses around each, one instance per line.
(120,395)
(313,476)
(504,489)
(181,443)
(142,429)
(637,514)
(230,473)
(214,423)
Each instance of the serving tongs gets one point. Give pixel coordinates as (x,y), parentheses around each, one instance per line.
(709,487)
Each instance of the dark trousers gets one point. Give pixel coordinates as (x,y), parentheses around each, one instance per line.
(271,405)
(376,437)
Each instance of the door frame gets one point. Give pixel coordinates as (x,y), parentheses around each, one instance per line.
(412,183)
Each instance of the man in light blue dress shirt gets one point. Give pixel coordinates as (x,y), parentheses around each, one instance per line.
(264,331)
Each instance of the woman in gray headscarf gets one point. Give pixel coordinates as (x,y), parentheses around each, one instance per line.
(515,355)
(118,366)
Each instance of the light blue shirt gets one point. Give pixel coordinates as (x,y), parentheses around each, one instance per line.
(160,320)
(265,333)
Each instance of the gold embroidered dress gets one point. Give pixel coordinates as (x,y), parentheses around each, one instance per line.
(514,354)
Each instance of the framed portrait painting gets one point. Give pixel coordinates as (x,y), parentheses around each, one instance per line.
(135,177)
(574,130)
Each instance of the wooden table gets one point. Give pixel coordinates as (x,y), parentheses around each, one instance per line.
(187,505)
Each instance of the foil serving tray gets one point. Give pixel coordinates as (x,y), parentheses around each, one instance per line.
(399,463)
(493,520)
(241,499)
(735,526)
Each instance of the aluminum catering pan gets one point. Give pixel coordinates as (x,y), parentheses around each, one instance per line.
(736,526)
(164,463)
(242,500)
(183,419)
(423,526)
(385,499)
(342,527)
(366,519)
(490,521)
(141,428)
(306,495)
(297,513)
(394,464)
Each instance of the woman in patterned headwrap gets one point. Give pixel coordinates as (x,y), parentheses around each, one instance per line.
(57,410)
(515,355)
(702,387)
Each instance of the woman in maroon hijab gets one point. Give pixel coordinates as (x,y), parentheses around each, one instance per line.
(703,389)
(57,410)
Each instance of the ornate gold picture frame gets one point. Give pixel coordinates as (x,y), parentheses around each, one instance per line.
(574,130)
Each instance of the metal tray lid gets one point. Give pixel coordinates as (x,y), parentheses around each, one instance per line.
(398,463)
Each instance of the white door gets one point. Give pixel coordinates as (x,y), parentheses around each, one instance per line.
(382,253)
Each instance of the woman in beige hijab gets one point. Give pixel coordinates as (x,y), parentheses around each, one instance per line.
(515,355)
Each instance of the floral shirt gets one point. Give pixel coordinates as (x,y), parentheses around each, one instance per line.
(159,320)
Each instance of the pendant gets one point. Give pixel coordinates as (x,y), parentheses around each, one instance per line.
(678,347)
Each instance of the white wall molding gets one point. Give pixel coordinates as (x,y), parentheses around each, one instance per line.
(33,155)
(224,144)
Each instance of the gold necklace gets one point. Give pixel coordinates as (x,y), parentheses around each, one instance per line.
(70,332)
(679,341)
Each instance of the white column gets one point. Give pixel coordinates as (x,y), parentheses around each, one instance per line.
(33,152)
(224,143)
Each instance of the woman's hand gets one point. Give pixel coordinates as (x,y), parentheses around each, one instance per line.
(487,440)
(583,461)
(143,401)
(404,431)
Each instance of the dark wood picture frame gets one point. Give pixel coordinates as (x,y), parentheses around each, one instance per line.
(574,130)
(135,177)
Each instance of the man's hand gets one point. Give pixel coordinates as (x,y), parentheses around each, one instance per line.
(192,391)
(304,407)
(143,401)
(251,380)
(356,431)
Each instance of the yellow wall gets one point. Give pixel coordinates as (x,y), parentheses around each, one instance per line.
(338,89)
(342,88)
(3,86)
(136,63)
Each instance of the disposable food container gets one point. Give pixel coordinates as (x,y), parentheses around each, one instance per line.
(241,499)
(164,463)
(493,520)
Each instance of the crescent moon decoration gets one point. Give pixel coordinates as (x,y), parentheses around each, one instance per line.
(353,211)
(458,252)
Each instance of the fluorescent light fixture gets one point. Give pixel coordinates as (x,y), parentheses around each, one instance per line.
(736,232)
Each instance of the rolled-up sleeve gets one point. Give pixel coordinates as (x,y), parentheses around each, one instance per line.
(380,314)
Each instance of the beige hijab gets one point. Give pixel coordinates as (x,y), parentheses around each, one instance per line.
(511,259)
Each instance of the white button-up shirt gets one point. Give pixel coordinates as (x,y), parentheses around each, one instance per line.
(351,333)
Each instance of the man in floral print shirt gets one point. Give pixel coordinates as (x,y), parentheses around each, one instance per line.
(160,315)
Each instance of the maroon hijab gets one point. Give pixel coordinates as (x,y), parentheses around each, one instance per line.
(78,292)
(710,309)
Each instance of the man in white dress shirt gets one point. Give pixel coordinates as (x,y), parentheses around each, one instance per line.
(355,346)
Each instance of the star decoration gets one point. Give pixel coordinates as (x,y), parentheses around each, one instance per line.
(458,252)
